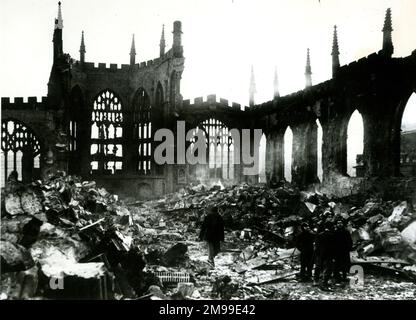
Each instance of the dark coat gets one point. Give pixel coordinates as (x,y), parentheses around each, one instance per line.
(326,244)
(212,229)
(305,240)
(343,240)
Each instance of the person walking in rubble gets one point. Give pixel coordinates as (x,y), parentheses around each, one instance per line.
(343,240)
(212,231)
(326,249)
(305,244)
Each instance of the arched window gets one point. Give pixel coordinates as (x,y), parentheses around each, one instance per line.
(20,151)
(288,142)
(408,139)
(107,134)
(220,149)
(157,121)
(262,159)
(142,120)
(77,103)
(355,145)
(159,96)
(319,150)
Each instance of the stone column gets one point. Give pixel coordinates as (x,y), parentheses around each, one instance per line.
(270,157)
(130,144)
(312,153)
(299,155)
(334,148)
(382,138)
(27,165)
(279,159)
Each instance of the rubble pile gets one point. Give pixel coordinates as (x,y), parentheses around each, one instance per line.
(67,232)
(261,222)
(242,205)
(377,226)
(108,249)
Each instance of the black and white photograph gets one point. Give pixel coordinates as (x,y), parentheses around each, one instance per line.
(224,151)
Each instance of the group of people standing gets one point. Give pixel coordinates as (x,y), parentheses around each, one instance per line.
(324,251)
(324,247)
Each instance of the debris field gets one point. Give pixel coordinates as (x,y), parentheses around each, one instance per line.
(65,238)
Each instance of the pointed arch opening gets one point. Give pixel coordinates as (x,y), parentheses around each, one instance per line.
(159,95)
(220,149)
(106,134)
(319,150)
(408,138)
(158,122)
(142,121)
(288,151)
(20,151)
(75,111)
(262,159)
(355,145)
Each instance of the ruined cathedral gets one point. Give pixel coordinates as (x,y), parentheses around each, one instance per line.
(98,122)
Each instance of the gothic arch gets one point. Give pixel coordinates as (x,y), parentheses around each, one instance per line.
(220,149)
(20,150)
(158,114)
(107,133)
(142,130)
(159,97)
(408,138)
(355,145)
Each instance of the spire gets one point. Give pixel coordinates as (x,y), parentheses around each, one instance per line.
(133,52)
(82,48)
(276,93)
(388,47)
(57,35)
(308,70)
(252,88)
(162,42)
(59,23)
(335,53)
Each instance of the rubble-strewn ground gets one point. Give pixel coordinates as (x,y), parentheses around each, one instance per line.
(374,287)
(106,248)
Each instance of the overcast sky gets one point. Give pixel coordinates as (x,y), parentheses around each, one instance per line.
(221,38)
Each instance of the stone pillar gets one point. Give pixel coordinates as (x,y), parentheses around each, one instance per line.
(300,155)
(279,159)
(382,138)
(312,153)
(255,149)
(27,165)
(334,148)
(130,145)
(238,167)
